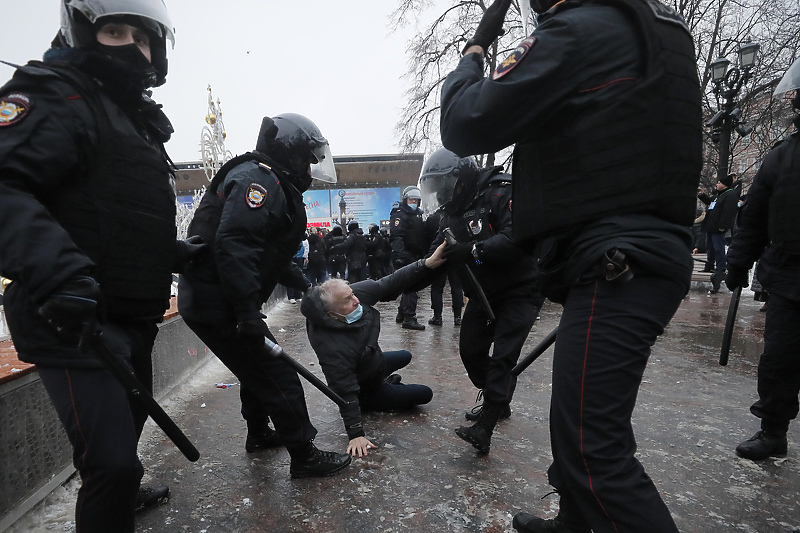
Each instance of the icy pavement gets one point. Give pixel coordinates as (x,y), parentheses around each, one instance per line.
(690,415)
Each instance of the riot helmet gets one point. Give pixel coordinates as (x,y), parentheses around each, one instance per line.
(373,229)
(439,176)
(295,143)
(80,20)
(790,82)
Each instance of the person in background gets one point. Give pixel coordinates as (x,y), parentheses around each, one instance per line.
(768,233)
(317,261)
(409,243)
(720,217)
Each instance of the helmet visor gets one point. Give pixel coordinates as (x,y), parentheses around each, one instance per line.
(436,190)
(790,80)
(323,169)
(153,12)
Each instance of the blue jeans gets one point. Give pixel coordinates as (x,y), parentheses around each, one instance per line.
(395,397)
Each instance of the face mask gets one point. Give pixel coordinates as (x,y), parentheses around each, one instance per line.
(132,57)
(412,206)
(355,315)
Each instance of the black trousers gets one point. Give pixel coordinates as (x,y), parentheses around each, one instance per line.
(104,428)
(779,367)
(515,317)
(437,293)
(408,304)
(269,385)
(604,340)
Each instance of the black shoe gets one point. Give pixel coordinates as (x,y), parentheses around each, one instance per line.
(475,412)
(457,321)
(399,318)
(256,442)
(394,379)
(151,496)
(435,320)
(318,464)
(527,523)
(476,435)
(411,323)
(763,445)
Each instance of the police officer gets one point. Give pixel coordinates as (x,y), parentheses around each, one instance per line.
(253,218)
(603,103)
(87,218)
(376,252)
(355,250)
(479,216)
(409,244)
(436,182)
(769,219)
(337,260)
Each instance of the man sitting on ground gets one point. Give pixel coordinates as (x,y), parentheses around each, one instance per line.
(343,329)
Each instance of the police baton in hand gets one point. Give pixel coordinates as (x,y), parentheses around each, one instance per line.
(727,335)
(275,350)
(451,240)
(535,353)
(139,393)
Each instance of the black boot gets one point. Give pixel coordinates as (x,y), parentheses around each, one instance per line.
(399,318)
(568,520)
(473,414)
(457,320)
(435,320)
(411,323)
(308,461)
(261,438)
(762,445)
(480,433)
(151,496)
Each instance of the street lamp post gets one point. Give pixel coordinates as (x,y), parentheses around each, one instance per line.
(727,84)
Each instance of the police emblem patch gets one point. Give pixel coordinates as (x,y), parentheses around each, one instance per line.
(513,60)
(13,108)
(256,195)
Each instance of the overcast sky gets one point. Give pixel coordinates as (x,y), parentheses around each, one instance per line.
(334,62)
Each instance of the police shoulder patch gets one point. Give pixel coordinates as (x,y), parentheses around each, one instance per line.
(14,107)
(513,60)
(256,195)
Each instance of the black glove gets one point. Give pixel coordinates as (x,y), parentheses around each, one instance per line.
(252,329)
(458,253)
(736,278)
(188,250)
(74,309)
(491,25)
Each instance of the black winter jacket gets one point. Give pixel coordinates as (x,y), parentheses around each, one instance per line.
(349,354)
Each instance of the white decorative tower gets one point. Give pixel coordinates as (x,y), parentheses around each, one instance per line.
(212,139)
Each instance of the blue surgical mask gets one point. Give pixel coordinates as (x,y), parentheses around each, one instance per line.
(355,315)
(412,206)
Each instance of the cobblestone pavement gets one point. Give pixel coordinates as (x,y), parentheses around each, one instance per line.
(690,415)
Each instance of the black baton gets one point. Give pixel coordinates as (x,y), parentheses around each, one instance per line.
(139,393)
(451,240)
(727,335)
(275,350)
(535,353)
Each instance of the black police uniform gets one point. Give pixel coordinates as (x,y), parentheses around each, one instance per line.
(437,286)
(507,276)
(376,253)
(770,219)
(337,260)
(409,243)
(253,219)
(603,103)
(86,190)
(354,249)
